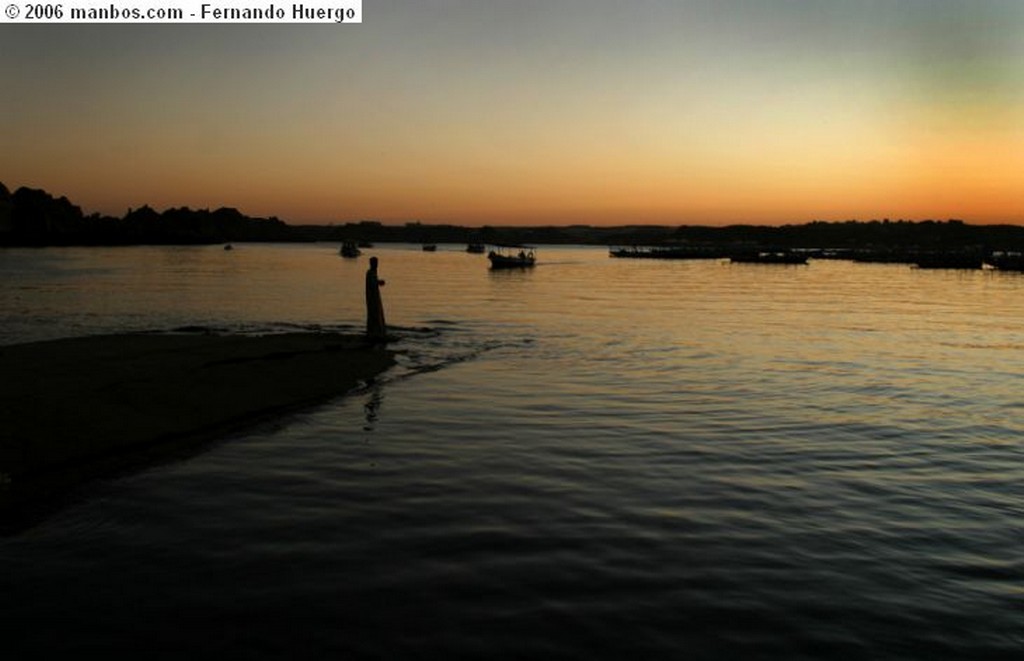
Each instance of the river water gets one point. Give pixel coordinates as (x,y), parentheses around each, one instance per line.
(595,459)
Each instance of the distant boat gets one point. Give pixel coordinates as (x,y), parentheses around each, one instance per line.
(228,246)
(634,252)
(512,257)
(365,244)
(476,248)
(769,257)
(350,249)
(429,247)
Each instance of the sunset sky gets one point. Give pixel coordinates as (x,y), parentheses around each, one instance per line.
(535,112)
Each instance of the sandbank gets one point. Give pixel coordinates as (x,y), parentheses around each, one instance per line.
(74,407)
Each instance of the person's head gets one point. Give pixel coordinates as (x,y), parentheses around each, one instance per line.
(373,262)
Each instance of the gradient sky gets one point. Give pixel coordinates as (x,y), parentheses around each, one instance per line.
(535,112)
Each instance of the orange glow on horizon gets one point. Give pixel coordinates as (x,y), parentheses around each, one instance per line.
(702,115)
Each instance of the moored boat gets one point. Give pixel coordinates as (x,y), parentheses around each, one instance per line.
(512,257)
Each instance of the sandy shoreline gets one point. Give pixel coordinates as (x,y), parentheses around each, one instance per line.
(71,408)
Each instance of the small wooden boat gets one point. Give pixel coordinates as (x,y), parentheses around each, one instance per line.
(350,249)
(429,247)
(512,257)
(476,248)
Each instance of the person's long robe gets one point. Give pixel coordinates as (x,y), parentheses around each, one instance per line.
(376,328)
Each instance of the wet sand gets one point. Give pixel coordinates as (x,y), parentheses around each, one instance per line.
(74,408)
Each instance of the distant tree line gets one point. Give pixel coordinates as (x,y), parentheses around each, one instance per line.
(932,235)
(32,217)
(416,232)
(851,235)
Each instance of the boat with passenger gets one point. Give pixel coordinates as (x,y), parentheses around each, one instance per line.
(349,249)
(512,257)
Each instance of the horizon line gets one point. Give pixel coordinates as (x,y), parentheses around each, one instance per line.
(402,222)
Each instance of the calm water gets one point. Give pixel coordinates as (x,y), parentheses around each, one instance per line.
(597,459)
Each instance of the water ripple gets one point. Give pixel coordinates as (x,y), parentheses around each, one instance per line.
(600,459)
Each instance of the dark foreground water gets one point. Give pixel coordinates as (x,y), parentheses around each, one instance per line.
(596,459)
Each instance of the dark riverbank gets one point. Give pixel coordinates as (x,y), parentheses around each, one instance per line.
(72,409)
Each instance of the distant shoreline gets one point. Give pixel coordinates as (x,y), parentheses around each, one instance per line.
(33,217)
(72,409)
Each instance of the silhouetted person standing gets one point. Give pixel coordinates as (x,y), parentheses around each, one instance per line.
(376,328)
